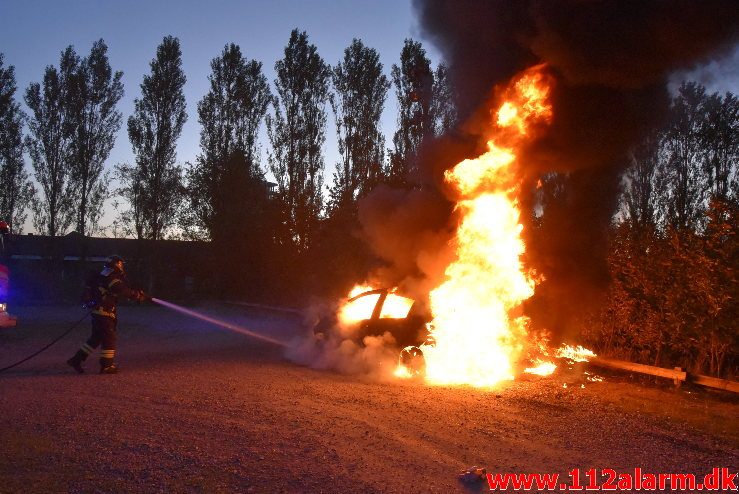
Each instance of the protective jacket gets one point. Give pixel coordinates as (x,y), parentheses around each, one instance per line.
(104,289)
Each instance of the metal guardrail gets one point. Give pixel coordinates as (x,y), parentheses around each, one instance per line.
(714,382)
(678,375)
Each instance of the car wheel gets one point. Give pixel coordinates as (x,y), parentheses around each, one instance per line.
(411,357)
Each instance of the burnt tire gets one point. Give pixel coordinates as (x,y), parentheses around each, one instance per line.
(411,357)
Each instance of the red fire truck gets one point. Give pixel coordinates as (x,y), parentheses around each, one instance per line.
(6,320)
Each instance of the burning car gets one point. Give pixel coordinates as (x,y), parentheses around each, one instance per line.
(376,311)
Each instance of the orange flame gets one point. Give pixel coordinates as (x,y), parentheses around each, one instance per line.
(362,308)
(574,353)
(567,352)
(402,372)
(542,368)
(478,340)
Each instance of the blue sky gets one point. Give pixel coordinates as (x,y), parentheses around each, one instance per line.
(33,33)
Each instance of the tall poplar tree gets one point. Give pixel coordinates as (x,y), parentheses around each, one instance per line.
(16,190)
(49,144)
(297,131)
(414,87)
(443,107)
(153,185)
(684,202)
(720,138)
(230,115)
(643,183)
(360,93)
(92,99)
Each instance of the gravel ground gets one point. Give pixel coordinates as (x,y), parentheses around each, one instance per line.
(197,409)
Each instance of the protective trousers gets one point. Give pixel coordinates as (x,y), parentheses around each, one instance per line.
(103,334)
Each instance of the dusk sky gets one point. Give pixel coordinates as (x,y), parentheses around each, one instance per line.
(33,33)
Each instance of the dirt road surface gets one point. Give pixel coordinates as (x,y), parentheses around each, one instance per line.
(198,409)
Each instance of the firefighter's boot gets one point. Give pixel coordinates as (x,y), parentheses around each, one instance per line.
(76,361)
(107,365)
(109,369)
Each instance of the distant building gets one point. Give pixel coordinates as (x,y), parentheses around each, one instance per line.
(53,269)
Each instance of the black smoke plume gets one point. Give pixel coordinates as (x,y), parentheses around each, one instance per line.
(611,61)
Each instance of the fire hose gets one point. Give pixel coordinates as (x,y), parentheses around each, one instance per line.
(231,327)
(217,322)
(71,328)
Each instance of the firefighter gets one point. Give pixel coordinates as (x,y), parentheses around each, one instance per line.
(101,297)
(6,321)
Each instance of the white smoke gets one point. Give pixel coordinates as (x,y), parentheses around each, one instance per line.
(372,356)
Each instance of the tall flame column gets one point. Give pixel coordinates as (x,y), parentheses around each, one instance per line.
(477,340)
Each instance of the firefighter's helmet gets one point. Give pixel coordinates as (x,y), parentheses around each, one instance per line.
(4,228)
(116,263)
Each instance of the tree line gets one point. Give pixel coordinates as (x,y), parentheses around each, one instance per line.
(71,130)
(73,122)
(672,252)
(674,249)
